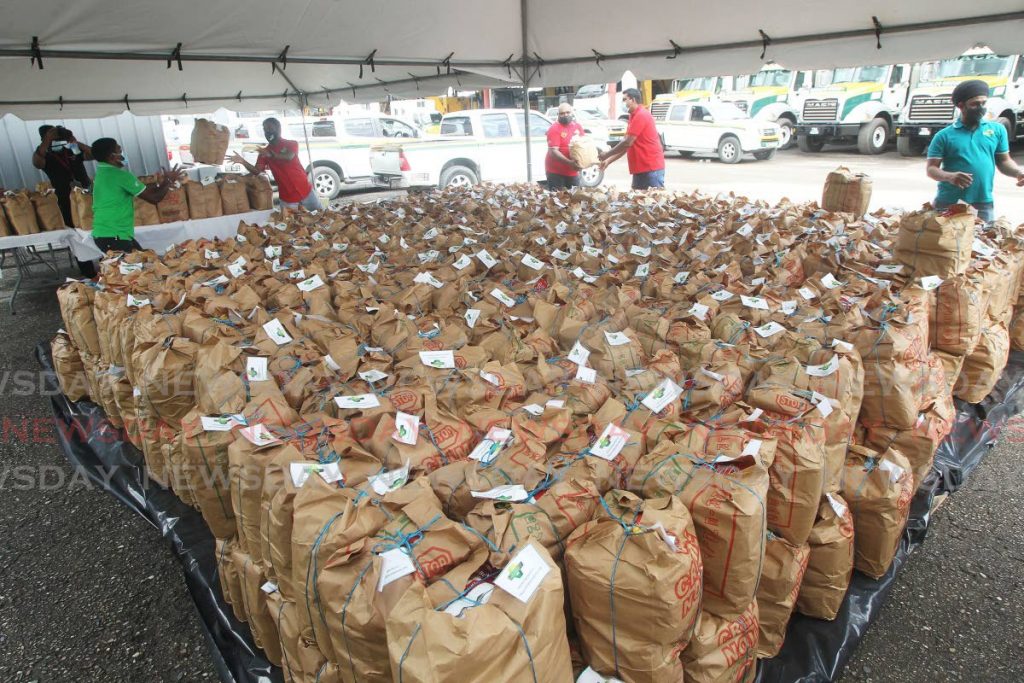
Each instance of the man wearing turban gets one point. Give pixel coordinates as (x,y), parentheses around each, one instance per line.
(963,157)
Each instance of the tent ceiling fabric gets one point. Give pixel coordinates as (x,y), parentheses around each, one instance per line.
(228,46)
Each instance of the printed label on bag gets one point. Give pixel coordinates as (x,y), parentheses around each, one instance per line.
(357,401)
(837,507)
(662,395)
(438,359)
(754,302)
(930,282)
(830,281)
(509,493)
(586,375)
(560,255)
(463,263)
(258,435)
(485,258)
(471,316)
(503,297)
(643,270)
(612,440)
(616,338)
(136,302)
(407,428)
(769,329)
(275,330)
(523,574)
(532,262)
(722,295)
(222,423)
(395,564)
(700,311)
(488,449)
(309,284)
(389,481)
(579,354)
(256,369)
(372,375)
(807,293)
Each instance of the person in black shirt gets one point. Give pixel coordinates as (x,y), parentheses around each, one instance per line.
(62,158)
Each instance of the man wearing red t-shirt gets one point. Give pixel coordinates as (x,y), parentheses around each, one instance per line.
(561,170)
(641,146)
(282,158)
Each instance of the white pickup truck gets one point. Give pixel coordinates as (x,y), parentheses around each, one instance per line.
(476,145)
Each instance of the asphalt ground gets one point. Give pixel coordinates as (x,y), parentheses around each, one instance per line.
(90,592)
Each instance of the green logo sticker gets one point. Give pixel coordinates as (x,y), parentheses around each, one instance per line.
(516,571)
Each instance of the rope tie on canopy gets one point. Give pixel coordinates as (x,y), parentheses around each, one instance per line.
(175,56)
(369,62)
(878,33)
(765,42)
(446,63)
(37,54)
(676,50)
(597,58)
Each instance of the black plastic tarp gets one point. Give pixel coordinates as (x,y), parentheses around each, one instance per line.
(814,650)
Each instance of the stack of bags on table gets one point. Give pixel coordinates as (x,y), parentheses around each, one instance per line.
(27,212)
(502,434)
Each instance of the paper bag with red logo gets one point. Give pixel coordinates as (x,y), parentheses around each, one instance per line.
(260,193)
(723,649)
(230,585)
(957,312)
(583,150)
(727,502)
(878,488)
(209,142)
(784,566)
(557,512)
(360,584)
(263,625)
(634,576)
(203,200)
(797,478)
(466,628)
(830,563)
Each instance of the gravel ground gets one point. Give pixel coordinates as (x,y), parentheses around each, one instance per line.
(108,601)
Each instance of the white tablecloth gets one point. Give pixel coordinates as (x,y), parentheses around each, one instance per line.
(160,237)
(155,237)
(54,239)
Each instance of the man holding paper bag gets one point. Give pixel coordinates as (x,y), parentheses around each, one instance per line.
(561,170)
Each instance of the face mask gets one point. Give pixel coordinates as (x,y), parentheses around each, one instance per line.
(974,114)
(124,160)
(565,118)
(270,136)
(58,145)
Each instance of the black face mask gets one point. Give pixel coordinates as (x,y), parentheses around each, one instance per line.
(973,115)
(565,118)
(270,136)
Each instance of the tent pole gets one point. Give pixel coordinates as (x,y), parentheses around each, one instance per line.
(305,132)
(526,94)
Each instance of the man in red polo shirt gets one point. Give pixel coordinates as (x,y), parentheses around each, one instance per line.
(641,146)
(282,158)
(561,170)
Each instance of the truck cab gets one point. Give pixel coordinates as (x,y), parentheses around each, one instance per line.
(765,96)
(930,108)
(860,105)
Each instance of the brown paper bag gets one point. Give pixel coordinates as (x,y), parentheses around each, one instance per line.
(984,365)
(67,363)
(784,566)
(173,207)
(5,226)
(203,200)
(233,195)
(48,213)
(259,192)
(723,649)
(206,453)
(847,192)
(81,208)
(583,150)
(209,143)
(145,213)
(933,243)
(433,637)
(230,583)
(727,502)
(830,563)
(634,589)
(21,214)
(878,489)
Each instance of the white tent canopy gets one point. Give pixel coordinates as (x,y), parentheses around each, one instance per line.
(100,57)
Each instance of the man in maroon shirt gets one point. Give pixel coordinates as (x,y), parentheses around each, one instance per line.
(641,146)
(282,158)
(561,170)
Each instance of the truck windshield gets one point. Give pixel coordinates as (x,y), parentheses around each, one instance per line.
(975,65)
(860,74)
(704,83)
(774,77)
(592,90)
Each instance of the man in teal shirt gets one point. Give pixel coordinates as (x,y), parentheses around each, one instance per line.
(963,157)
(114,190)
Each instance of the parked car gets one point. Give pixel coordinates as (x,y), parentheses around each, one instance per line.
(714,127)
(339,145)
(478,145)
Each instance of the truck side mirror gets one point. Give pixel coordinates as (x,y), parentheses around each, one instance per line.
(708,118)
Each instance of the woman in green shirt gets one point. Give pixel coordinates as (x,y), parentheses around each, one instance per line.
(114,190)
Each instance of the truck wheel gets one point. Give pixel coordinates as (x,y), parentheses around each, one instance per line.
(326,182)
(1008,125)
(591,176)
(809,143)
(873,136)
(764,155)
(458,176)
(729,150)
(909,146)
(786,133)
